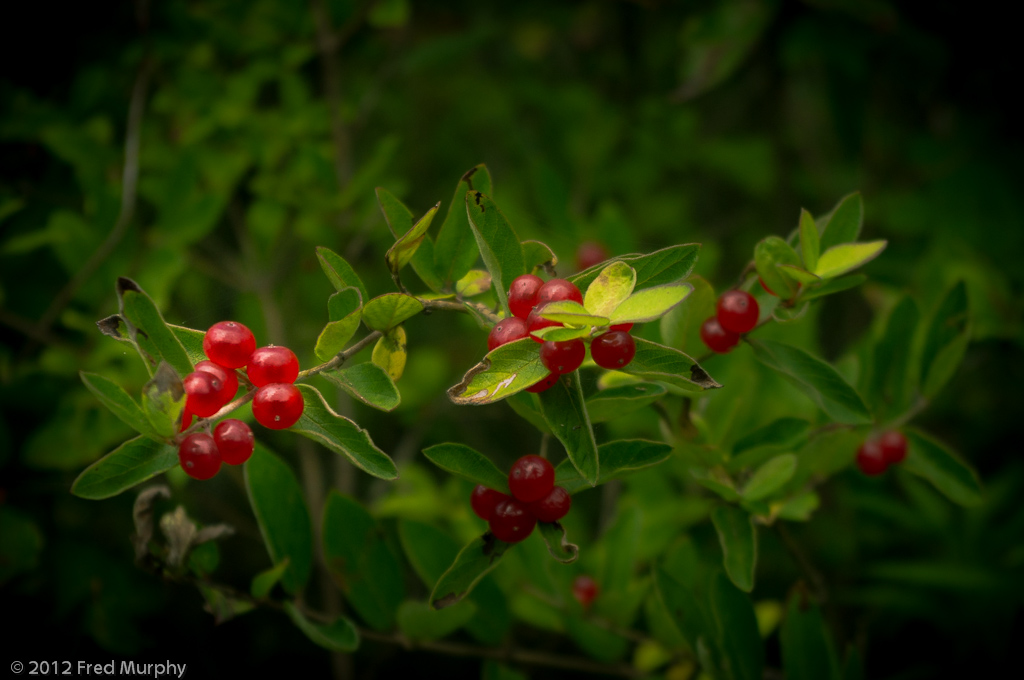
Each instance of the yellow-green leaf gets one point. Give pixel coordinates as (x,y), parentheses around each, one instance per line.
(612,286)
(390,353)
(846,257)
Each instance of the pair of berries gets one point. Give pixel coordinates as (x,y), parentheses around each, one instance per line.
(200,455)
(877,454)
(736,313)
(535,498)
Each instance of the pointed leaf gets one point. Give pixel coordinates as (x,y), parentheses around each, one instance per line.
(191,340)
(844,222)
(619,401)
(390,353)
(367,382)
(742,650)
(846,257)
(929,459)
(665,364)
(401,253)
(503,372)
(132,463)
(321,424)
(572,313)
(338,636)
(946,342)
(800,507)
(265,581)
(420,621)
(799,274)
(566,414)
(455,250)
(769,477)
(345,312)
(560,548)
(561,333)
(120,402)
(387,311)
(471,564)
(783,434)
(891,386)
(537,254)
(618,459)
(662,266)
(769,253)
(834,286)
(339,272)
(469,464)
(810,240)
(612,286)
(163,400)
(397,216)
(141,312)
(475,282)
(499,246)
(650,303)
(807,650)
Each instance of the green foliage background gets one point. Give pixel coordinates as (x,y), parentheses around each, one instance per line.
(638,125)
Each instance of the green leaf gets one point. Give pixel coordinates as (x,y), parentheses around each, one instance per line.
(618,458)
(662,266)
(397,216)
(566,414)
(339,272)
(739,639)
(670,366)
(650,303)
(360,561)
(612,286)
(469,464)
(807,650)
(946,342)
(499,246)
(769,477)
(117,400)
(537,254)
(596,641)
(132,463)
(337,636)
(846,257)
(810,240)
(341,435)
(800,507)
(390,353)
(471,564)
(769,253)
(191,340)
(404,248)
(455,251)
(387,311)
(265,581)
(684,594)
(560,548)
(799,274)
(276,499)
(561,333)
(419,621)
(680,328)
(163,400)
(572,313)
(503,372)
(844,222)
(822,383)
(891,385)
(929,459)
(779,435)
(833,286)
(475,282)
(783,313)
(140,311)
(344,310)
(367,382)
(619,401)
(717,480)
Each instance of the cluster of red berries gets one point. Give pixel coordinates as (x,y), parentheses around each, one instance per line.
(736,313)
(877,454)
(277,403)
(527,297)
(535,498)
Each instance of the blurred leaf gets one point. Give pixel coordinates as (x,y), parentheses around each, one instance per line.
(680,327)
(834,286)
(344,310)
(800,507)
(653,269)
(738,538)
(779,435)
(471,564)
(429,550)
(665,364)
(891,383)
(163,400)
(397,216)
(338,636)
(561,333)
(618,458)
(265,581)
(389,13)
(819,380)
(612,286)
(367,382)
(469,464)
(807,650)
(595,640)
(505,370)
(282,515)
(785,314)
(499,246)
(389,310)
(619,401)
(572,313)
(560,548)
(130,464)
(341,435)
(566,414)
(419,621)
(946,342)
(20,545)
(739,639)
(846,257)
(536,254)
(931,460)
(404,248)
(475,282)
(651,303)
(771,252)
(684,593)
(339,272)
(390,353)
(798,274)
(769,477)
(120,403)
(810,240)
(717,480)
(140,311)
(493,670)
(843,224)
(619,546)
(455,251)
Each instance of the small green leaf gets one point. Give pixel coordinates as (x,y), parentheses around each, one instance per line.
(387,311)
(561,333)
(650,303)
(163,400)
(455,251)
(338,636)
(670,366)
(132,463)
(120,402)
(800,507)
(619,401)
(946,342)
(397,216)
(618,458)
(191,340)
(537,254)
(276,499)
(653,269)
(469,464)
(419,621)
(769,477)
(390,353)
(807,650)
(339,272)
(833,286)
(499,246)
(769,254)
(846,257)
(612,286)
(341,435)
(367,382)
(566,414)
(429,550)
(265,581)
(680,328)
(799,274)
(560,548)
(572,313)
(844,222)
(932,461)
(475,282)
(717,480)
(810,240)
(401,253)
(783,313)
(783,434)
(471,564)
(822,383)
(345,312)
(141,312)
(503,372)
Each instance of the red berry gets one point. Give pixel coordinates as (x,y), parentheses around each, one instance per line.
(535,322)
(227,376)
(543,385)
(894,447)
(277,405)
(505,331)
(186,419)
(522,294)
(234,440)
(198,456)
(737,311)
(563,357)
(556,290)
(717,338)
(621,327)
(870,458)
(614,349)
(590,253)
(229,344)
(510,522)
(584,589)
(272,364)
(552,507)
(202,393)
(484,501)
(531,478)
